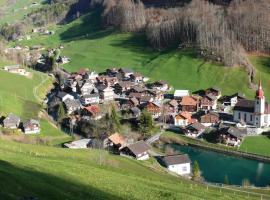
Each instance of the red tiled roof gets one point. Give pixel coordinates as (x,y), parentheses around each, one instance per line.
(94,109)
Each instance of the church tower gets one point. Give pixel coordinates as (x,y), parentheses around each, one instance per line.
(259,108)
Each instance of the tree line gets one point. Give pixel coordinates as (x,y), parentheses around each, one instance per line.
(221,30)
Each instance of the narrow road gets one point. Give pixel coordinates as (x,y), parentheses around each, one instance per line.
(154,137)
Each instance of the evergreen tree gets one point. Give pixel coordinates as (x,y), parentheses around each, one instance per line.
(196,171)
(115,120)
(146,122)
(61,114)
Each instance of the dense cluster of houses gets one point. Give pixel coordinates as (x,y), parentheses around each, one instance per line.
(30,126)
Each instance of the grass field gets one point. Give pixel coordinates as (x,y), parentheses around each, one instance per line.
(89,45)
(256,144)
(17,96)
(53,173)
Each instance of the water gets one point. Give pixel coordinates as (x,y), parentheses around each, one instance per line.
(215,166)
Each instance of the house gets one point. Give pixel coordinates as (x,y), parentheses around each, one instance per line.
(78,144)
(90,99)
(194,130)
(126,72)
(189,103)
(138,150)
(154,109)
(116,141)
(233,136)
(135,111)
(210,119)
(136,77)
(107,94)
(64,96)
(31,126)
(253,112)
(213,92)
(208,102)
(156,94)
(87,88)
(160,85)
(72,105)
(16,69)
(171,107)
(11,121)
(112,72)
(178,94)
(92,112)
(231,100)
(92,76)
(179,164)
(183,119)
(137,89)
(123,86)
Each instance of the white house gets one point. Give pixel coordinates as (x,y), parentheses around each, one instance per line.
(180,93)
(183,119)
(253,112)
(90,99)
(138,150)
(107,94)
(179,164)
(31,126)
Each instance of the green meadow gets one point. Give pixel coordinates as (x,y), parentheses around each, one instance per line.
(53,173)
(256,144)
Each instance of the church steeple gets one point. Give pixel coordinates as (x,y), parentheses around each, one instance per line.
(260,92)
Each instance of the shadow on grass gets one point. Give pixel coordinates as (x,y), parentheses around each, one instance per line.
(17,183)
(30,110)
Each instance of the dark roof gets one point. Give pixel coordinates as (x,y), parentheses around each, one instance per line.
(61,94)
(176,159)
(239,94)
(197,126)
(135,110)
(126,70)
(245,105)
(11,118)
(91,95)
(101,87)
(138,147)
(236,132)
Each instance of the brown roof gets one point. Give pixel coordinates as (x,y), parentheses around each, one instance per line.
(188,101)
(173,103)
(197,126)
(116,138)
(94,109)
(184,115)
(176,159)
(245,105)
(138,147)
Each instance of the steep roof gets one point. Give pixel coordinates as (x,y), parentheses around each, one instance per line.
(117,139)
(138,147)
(176,159)
(245,105)
(94,109)
(184,115)
(188,100)
(197,126)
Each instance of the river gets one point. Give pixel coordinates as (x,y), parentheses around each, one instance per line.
(215,166)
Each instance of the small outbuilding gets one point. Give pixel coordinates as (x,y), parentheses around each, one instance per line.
(179,164)
(138,150)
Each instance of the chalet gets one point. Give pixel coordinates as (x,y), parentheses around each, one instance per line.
(178,94)
(171,106)
(93,112)
(116,141)
(135,111)
(64,96)
(78,144)
(92,76)
(194,130)
(126,72)
(213,92)
(123,86)
(138,150)
(136,77)
(160,85)
(183,119)
(87,88)
(154,109)
(31,126)
(189,103)
(208,102)
(233,136)
(210,119)
(179,164)
(112,72)
(231,100)
(134,102)
(106,94)
(11,121)
(16,69)
(90,99)
(72,105)
(107,80)
(137,89)
(145,99)
(156,94)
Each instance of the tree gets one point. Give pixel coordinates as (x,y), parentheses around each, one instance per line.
(61,114)
(146,123)
(115,120)
(196,171)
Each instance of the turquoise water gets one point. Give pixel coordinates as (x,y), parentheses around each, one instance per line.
(215,166)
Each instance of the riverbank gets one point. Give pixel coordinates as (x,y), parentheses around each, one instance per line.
(173,138)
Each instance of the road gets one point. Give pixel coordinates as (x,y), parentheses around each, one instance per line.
(154,137)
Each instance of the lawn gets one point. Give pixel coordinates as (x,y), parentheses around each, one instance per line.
(54,173)
(256,144)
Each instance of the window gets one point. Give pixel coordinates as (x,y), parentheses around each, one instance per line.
(257,102)
(245,117)
(239,115)
(184,169)
(251,118)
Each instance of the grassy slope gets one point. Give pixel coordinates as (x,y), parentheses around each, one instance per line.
(53,173)
(90,46)
(256,144)
(17,96)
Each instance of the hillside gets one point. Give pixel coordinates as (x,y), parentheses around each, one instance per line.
(89,45)
(54,173)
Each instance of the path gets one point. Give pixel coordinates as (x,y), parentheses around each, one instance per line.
(154,137)
(35,89)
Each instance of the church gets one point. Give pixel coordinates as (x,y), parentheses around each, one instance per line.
(253,112)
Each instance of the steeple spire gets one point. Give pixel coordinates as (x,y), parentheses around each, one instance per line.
(260,92)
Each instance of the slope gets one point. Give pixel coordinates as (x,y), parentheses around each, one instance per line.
(53,173)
